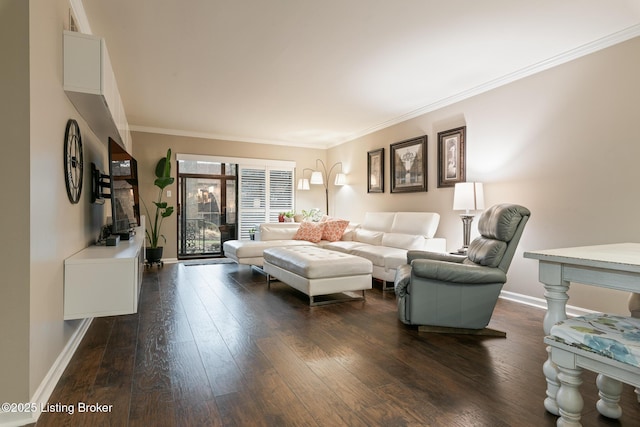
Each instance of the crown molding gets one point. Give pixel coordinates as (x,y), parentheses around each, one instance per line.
(205,135)
(570,55)
(602,43)
(81,17)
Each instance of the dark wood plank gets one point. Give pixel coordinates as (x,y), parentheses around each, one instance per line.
(211,345)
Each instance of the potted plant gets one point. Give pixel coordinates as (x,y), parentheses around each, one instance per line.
(313,214)
(288,216)
(163,210)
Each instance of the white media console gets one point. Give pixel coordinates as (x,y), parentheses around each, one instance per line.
(104,280)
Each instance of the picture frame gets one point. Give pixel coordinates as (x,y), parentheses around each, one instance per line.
(452,157)
(409,165)
(375,171)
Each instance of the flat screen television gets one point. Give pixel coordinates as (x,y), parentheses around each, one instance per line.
(125,198)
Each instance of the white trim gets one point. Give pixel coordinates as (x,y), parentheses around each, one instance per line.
(81,17)
(580,51)
(49,382)
(205,135)
(237,160)
(610,40)
(541,303)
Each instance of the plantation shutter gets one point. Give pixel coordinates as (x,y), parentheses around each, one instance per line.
(265,191)
(280,192)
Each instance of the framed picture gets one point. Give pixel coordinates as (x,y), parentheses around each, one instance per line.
(451,157)
(375,171)
(409,165)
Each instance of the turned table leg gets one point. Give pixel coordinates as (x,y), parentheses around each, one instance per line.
(634,309)
(556,296)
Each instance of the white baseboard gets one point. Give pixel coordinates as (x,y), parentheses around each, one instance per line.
(541,303)
(41,396)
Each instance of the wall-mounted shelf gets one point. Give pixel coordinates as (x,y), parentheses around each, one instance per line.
(91,86)
(104,280)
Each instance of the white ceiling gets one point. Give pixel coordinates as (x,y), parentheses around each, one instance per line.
(320,73)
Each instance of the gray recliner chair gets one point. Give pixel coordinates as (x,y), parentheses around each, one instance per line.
(453,293)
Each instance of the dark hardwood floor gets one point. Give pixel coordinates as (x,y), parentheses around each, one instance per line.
(212,346)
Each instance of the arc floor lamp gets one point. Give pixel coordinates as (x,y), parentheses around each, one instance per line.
(322,176)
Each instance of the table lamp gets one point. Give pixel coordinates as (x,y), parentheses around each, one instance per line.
(467,196)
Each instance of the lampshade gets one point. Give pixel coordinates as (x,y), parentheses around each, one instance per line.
(468,196)
(303,184)
(341,179)
(316,178)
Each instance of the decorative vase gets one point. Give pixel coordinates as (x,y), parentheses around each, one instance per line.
(154,255)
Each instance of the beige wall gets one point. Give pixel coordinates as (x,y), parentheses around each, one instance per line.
(14,227)
(561,143)
(148,148)
(42,228)
(58,228)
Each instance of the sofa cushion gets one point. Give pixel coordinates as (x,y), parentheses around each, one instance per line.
(278,230)
(378,221)
(310,231)
(416,223)
(334,229)
(255,248)
(349,232)
(370,237)
(382,256)
(403,241)
(345,246)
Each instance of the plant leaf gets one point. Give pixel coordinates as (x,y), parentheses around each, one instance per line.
(167,212)
(163,182)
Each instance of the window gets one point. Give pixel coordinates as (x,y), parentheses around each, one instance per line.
(264,193)
(265,188)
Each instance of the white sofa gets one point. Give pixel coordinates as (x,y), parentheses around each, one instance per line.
(383,238)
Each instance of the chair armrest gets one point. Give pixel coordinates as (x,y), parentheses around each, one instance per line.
(457,272)
(403,277)
(438,256)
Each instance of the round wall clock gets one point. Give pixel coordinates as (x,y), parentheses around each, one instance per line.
(73,161)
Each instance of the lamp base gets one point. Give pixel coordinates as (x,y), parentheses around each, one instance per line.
(467,219)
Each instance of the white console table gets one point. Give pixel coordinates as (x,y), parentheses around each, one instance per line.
(615,266)
(104,280)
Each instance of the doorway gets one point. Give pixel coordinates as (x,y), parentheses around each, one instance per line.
(207,214)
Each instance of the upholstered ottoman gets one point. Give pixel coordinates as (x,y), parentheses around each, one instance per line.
(316,271)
